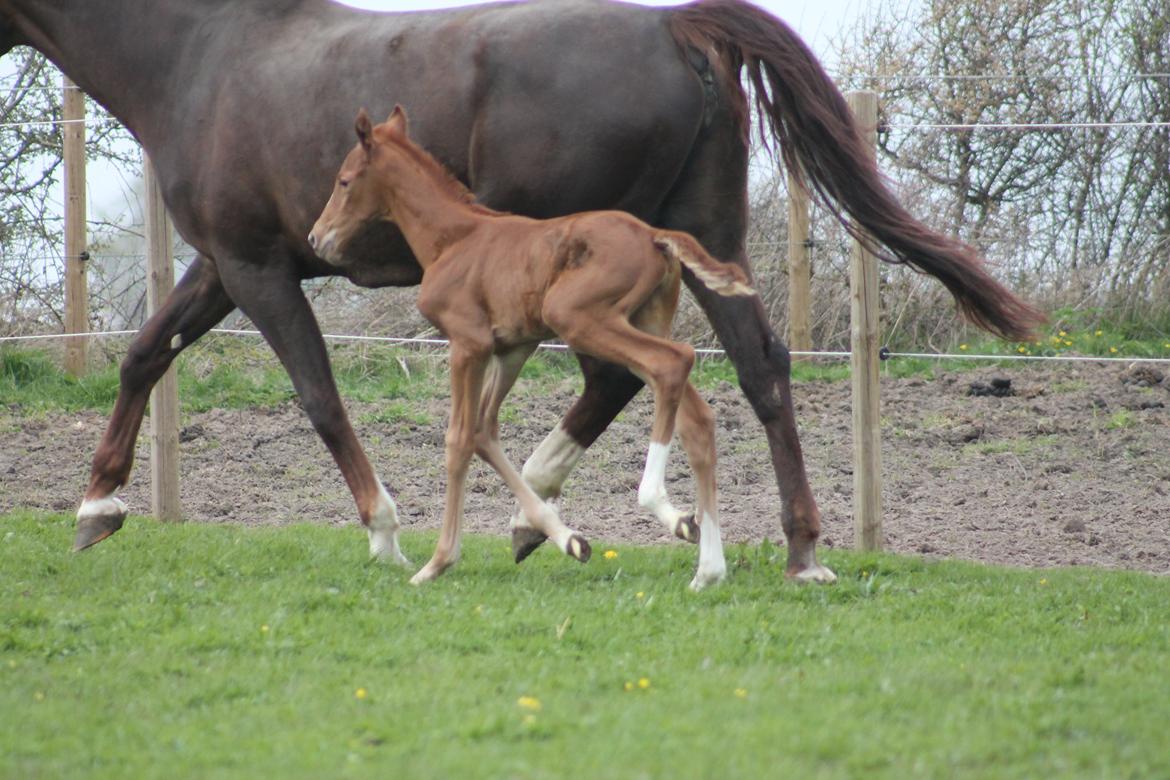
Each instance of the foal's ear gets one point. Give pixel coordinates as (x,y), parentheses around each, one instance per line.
(397,120)
(364,129)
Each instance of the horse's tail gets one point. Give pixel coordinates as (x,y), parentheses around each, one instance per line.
(717,276)
(809,119)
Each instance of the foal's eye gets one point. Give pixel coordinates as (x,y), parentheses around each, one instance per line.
(343,183)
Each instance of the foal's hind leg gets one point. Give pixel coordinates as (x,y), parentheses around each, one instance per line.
(662,364)
(696,431)
(196,304)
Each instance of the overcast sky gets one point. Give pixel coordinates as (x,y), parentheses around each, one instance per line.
(816,21)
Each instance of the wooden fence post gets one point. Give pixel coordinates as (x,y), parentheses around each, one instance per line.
(76,288)
(864,337)
(164,399)
(799,268)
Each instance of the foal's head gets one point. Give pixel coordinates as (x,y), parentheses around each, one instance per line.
(360,193)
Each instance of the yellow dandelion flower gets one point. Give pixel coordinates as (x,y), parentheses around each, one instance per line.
(610,554)
(639,595)
(629,686)
(1043,580)
(360,693)
(1113,350)
(741,693)
(1021,349)
(962,347)
(264,629)
(1062,334)
(39,696)
(1099,333)
(529,703)
(644,683)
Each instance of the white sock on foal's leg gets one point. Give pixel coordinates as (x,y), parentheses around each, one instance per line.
(652,491)
(712,566)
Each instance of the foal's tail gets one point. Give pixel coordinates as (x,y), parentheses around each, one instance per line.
(807,116)
(717,276)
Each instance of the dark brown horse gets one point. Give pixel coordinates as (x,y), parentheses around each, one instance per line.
(541,108)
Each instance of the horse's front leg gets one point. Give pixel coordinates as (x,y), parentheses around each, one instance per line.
(468,364)
(196,304)
(608,389)
(272,297)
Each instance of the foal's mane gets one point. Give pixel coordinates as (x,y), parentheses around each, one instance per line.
(440,173)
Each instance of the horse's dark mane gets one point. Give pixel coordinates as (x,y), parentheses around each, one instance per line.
(441,174)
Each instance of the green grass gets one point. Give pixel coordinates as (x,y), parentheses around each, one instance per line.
(1082,333)
(220,374)
(226,372)
(218,651)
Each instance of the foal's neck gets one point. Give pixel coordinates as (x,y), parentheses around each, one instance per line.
(431,211)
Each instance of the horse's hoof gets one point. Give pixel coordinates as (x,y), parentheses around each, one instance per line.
(815,574)
(578,547)
(704,579)
(525,541)
(687,529)
(384,548)
(97,519)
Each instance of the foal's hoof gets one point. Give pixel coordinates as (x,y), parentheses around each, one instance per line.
(815,574)
(431,571)
(525,541)
(687,529)
(578,547)
(97,519)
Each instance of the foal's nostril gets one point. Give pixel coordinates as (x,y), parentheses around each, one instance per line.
(313,240)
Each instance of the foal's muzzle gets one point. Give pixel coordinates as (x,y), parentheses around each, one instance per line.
(324,247)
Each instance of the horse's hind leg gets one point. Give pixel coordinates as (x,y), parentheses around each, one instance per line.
(764,369)
(719,164)
(696,431)
(608,389)
(538,517)
(197,304)
(272,297)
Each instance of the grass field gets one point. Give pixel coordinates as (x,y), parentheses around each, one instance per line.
(219,651)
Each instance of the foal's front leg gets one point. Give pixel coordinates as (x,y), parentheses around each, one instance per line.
(468,363)
(538,517)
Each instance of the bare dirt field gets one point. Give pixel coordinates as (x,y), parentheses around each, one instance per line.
(1073,467)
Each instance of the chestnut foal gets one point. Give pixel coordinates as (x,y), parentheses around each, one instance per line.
(496,284)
